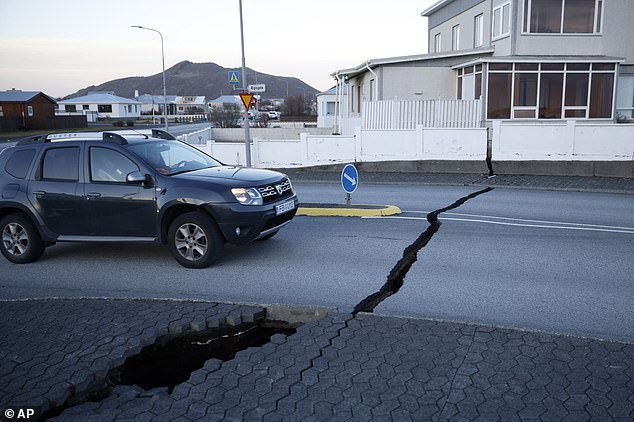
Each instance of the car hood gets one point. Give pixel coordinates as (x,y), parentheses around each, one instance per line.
(232,174)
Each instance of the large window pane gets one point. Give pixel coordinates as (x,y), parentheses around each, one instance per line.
(497,17)
(525,89)
(601,95)
(506,18)
(576,89)
(625,97)
(499,104)
(579,16)
(478,37)
(477,93)
(546,16)
(550,91)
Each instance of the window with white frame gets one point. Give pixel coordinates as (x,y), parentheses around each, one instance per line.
(469,83)
(550,90)
(1,112)
(501,21)
(437,45)
(455,38)
(478,30)
(625,98)
(330,108)
(562,16)
(372,88)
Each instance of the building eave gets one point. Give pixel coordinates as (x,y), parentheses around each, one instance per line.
(434,7)
(541,59)
(363,67)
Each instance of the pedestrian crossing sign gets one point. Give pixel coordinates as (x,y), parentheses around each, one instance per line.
(233,77)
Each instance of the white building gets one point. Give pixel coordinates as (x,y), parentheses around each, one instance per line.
(328,103)
(550,79)
(101,105)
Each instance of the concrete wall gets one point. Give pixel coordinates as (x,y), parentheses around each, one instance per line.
(237,134)
(364,146)
(562,141)
(419,83)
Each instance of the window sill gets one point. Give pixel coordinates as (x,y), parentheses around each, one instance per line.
(561,34)
(500,37)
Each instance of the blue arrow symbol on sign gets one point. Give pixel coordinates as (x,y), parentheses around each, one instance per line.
(350,179)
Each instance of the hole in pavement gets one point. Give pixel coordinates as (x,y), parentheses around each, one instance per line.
(171,362)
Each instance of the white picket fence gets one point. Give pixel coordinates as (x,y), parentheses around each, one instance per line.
(390,115)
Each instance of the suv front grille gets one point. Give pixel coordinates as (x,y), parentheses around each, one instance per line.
(275,192)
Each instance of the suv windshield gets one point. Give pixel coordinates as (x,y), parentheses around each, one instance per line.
(172,157)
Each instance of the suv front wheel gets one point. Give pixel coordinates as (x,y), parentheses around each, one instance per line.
(20,241)
(194,240)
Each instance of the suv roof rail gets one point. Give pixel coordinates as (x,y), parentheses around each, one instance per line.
(115,138)
(161,134)
(31,139)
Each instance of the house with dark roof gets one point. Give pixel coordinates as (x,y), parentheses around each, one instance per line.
(25,110)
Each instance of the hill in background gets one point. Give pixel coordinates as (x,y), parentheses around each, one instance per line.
(208,79)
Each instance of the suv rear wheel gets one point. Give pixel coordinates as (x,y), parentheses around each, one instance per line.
(20,241)
(194,240)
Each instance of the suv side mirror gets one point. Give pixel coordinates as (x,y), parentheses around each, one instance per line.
(138,177)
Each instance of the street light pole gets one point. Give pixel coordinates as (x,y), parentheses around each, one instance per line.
(163,60)
(245,119)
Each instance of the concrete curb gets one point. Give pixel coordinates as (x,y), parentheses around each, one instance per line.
(332,210)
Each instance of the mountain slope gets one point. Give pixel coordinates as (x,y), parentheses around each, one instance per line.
(208,79)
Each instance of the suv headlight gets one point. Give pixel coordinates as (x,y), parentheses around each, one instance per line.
(247,196)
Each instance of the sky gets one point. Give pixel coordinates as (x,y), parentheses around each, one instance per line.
(61,46)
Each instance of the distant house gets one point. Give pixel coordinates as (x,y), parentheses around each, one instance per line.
(224,100)
(190,104)
(101,105)
(25,110)
(154,104)
(328,103)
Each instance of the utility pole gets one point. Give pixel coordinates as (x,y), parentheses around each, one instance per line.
(245,120)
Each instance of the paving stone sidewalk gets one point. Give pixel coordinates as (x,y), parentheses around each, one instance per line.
(340,367)
(562,183)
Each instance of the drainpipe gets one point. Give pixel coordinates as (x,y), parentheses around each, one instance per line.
(338,88)
(376,81)
(514,31)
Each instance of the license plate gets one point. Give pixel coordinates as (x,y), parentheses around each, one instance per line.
(285,207)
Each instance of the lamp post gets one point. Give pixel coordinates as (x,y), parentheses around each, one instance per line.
(245,121)
(163,60)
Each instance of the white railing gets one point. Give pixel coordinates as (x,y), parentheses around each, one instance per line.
(199,137)
(387,115)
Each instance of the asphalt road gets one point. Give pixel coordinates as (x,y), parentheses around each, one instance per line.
(553,261)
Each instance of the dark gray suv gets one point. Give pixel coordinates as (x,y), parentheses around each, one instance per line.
(134,187)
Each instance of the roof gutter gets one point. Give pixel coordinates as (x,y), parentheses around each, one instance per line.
(376,79)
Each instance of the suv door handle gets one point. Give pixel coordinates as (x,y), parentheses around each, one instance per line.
(39,193)
(92,195)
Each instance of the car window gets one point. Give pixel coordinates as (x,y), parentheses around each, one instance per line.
(19,163)
(171,157)
(107,165)
(61,164)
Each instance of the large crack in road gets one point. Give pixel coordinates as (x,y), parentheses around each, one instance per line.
(396,278)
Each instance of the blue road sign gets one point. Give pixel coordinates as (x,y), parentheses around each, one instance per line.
(349,178)
(234,79)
